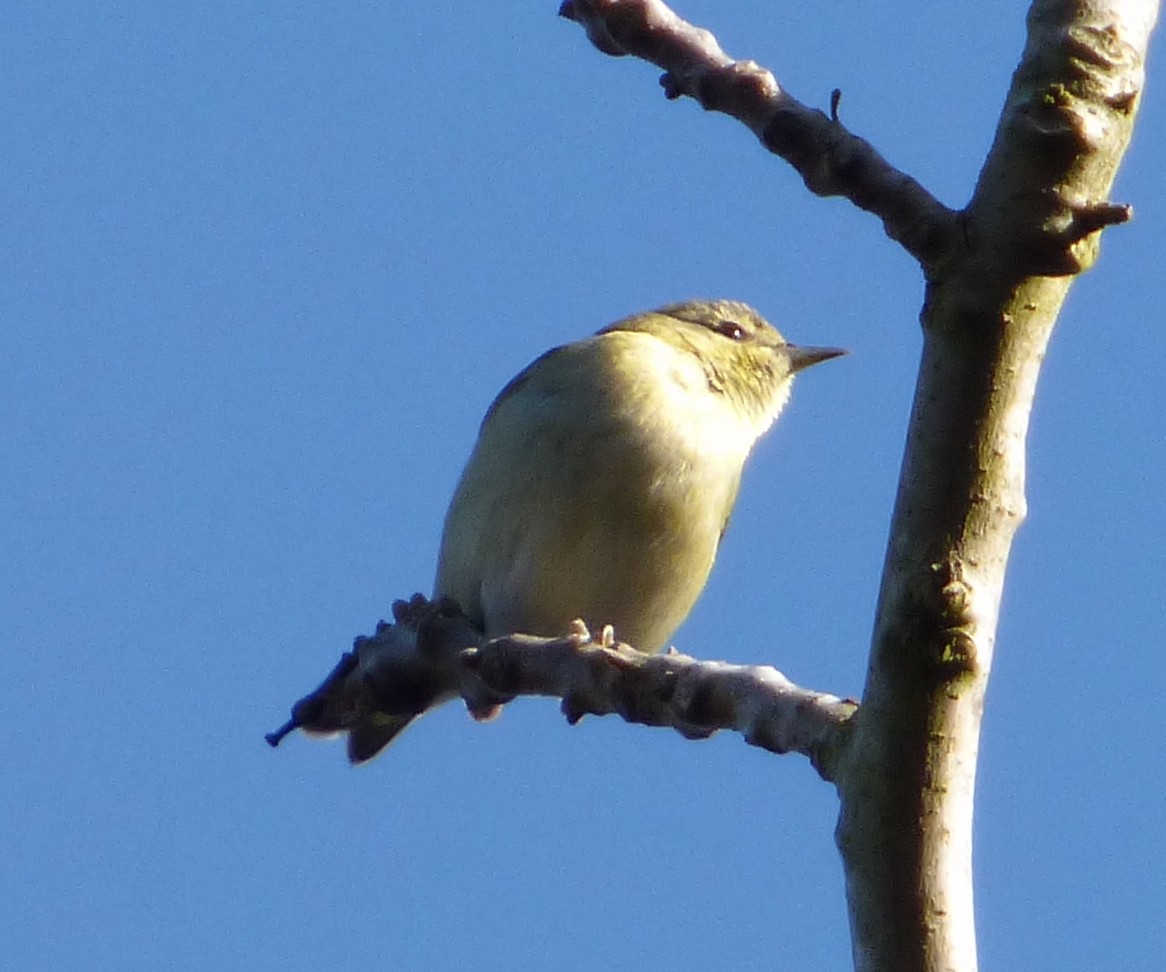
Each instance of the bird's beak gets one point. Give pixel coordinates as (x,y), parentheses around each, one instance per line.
(801,358)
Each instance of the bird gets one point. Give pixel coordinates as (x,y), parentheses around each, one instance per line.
(604,476)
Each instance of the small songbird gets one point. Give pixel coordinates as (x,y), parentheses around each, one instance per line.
(604,475)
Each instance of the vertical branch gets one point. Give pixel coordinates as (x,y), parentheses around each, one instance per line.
(907,781)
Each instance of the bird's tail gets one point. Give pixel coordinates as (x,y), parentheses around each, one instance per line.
(372,734)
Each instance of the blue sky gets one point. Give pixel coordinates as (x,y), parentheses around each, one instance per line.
(260,275)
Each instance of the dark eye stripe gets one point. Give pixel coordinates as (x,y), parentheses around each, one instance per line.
(730,329)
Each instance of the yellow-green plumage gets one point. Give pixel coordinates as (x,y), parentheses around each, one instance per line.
(599,488)
(605,473)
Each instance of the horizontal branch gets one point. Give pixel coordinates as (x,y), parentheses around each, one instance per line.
(432,654)
(830,159)
(696,698)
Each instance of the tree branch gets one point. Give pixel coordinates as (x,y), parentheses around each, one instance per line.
(432,654)
(831,160)
(697,698)
(907,779)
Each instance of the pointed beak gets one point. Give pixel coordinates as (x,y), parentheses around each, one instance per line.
(801,358)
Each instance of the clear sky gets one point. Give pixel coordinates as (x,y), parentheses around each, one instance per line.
(261,272)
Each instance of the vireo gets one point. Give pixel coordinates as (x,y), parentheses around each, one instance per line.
(604,475)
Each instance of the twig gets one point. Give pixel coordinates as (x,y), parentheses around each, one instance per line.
(830,159)
(432,654)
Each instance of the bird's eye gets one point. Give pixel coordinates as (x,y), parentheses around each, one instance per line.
(730,329)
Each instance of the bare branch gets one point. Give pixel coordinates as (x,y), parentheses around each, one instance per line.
(1042,195)
(433,654)
(697,698)
(907,780)
(831,160)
